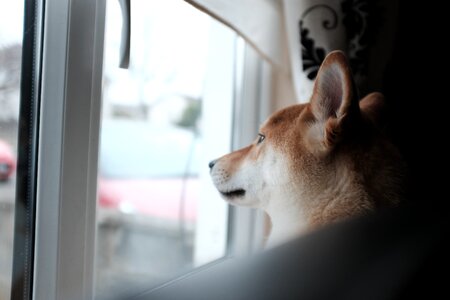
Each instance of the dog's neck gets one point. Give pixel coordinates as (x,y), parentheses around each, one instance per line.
(301,210)
(287,223)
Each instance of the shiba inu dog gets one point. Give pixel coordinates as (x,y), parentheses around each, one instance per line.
(315,163)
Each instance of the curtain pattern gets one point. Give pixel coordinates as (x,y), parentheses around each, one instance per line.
(357,27)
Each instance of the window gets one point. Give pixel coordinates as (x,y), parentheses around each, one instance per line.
(157,216)
(124,199)
(11,19)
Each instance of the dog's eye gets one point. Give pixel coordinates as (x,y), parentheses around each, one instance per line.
(261,138)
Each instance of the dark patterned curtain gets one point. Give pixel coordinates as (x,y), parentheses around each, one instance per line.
(363,29)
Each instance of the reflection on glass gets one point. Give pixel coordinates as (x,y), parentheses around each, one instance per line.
(152,164)
(11,14)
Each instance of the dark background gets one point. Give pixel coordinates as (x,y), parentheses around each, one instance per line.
(417,90)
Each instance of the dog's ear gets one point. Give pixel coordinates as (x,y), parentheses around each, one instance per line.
(334,101)
(373,109)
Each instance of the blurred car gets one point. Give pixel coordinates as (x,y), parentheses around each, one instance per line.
(149,171)
(7,161)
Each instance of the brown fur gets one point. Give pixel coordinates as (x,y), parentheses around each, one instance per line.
(375,163)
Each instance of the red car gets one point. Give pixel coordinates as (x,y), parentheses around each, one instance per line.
(149,170)
(7,161)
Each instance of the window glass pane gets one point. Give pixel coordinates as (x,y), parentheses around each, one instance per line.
(163,119)
(11,19)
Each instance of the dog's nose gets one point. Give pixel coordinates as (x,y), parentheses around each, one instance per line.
(212,163)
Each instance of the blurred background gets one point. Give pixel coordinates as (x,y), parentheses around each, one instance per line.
(153,178)
(153,184)
(11,19)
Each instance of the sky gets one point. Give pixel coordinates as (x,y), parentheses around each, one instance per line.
(11,21)
(169,38)
(169,47)
(169,50)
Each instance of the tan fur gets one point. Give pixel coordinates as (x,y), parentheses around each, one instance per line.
(320,162)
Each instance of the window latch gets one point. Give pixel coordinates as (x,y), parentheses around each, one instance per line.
(126,32)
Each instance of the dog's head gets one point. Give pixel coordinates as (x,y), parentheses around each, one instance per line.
(308,153)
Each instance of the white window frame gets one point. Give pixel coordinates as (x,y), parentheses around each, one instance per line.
(72,61)
(73,38)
